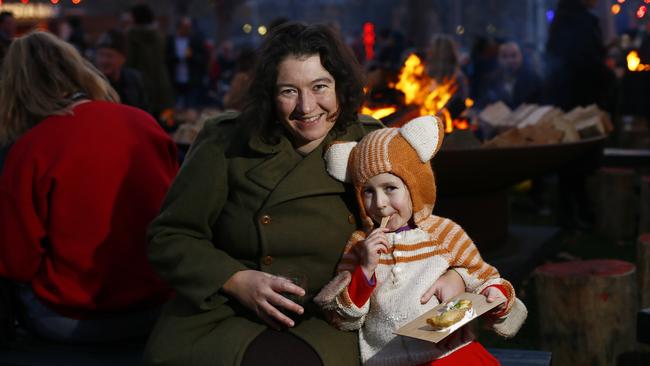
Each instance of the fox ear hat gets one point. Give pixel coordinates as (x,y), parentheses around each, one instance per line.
(404,152)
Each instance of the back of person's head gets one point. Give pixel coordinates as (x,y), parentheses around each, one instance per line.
(184,26)
(7,22)
(442,58)
(5,15)
(113,39)
(405,152)
(42,75)
(142,14)
(302,40)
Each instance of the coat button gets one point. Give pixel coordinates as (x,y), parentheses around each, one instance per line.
(267,260)
(265,219)
(351,219)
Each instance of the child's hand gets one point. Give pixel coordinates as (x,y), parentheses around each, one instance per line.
(446,287)
(371,249)
(492,293)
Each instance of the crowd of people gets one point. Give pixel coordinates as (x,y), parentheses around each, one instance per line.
(104,238)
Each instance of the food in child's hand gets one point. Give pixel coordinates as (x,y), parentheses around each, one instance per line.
(453,314)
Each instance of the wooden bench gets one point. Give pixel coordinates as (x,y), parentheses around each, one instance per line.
(521,357)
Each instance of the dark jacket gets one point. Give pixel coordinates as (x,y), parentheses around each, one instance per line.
(131,89)
(146,53)
(239,203)
(196,59)
(527,88)
(575,59)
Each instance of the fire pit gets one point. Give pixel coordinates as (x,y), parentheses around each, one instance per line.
(472,183)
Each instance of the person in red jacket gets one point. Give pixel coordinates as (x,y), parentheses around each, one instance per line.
(81,181)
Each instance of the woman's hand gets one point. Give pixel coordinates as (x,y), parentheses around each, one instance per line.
(371,249)
(446,287)
(262,293)
(492,294)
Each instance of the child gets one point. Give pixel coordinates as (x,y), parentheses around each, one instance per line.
(383,270)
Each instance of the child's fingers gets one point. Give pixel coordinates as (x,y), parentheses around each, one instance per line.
(381,248)
(492,294)
(377,240)
(377,233)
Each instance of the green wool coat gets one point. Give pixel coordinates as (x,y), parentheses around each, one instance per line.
(238,203)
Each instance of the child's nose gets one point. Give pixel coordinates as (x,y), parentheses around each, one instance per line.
(382,200)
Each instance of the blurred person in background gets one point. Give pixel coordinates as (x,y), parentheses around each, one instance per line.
(577,75)
(82,179)
(576,72)
(7,31)
(187,64)
(513,83)
(236,95)
(443,66)
(127,82)
(146,53)
(483,61)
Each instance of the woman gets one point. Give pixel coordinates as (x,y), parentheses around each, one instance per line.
(443,66)
(81,181)
(252,204)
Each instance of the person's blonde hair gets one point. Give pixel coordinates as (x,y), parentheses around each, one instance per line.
(39,77)
(442,58)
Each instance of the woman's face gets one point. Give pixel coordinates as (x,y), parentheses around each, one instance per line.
(305,98)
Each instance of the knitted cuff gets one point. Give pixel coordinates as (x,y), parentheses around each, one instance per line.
(509,291)
(508,325)
(360,288)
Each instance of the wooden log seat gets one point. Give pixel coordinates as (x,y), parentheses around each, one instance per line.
(587,310)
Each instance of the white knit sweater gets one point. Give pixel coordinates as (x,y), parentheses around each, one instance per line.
(417,258)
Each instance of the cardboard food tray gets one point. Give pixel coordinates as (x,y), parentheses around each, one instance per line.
(419,328)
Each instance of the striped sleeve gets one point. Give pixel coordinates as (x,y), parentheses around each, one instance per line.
(465,258)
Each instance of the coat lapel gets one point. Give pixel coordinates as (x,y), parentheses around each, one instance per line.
(271,171)
(308,178)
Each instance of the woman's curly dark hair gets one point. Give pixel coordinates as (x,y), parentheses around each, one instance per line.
(299,39)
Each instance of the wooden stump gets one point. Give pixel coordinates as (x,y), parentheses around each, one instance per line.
(616,203)
(587,310)
(644,208)
(643,265)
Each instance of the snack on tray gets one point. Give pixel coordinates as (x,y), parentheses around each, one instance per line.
(453,313)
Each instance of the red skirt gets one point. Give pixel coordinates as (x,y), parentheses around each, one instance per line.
(474,354)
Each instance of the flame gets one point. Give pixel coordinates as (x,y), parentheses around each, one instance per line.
(378,113)
(634,62)
(420,90)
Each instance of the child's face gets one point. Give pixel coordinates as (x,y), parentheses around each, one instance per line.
(386,195)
